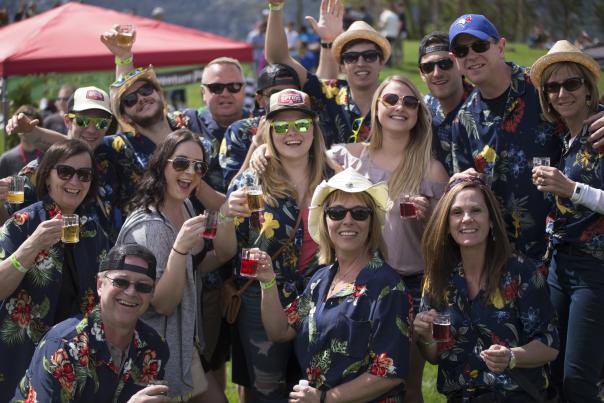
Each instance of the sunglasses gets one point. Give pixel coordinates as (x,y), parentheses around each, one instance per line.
(461,51)
(570,84)
(65,172)
(131,99)
(357,213)
(299,125)
(82,121)
(218,88)
(122,283)
(369,56)
(408,101)
(443,64)
(182,164)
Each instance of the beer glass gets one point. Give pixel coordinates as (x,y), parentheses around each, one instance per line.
(70,233)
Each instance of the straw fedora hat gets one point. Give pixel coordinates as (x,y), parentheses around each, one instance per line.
(563,51)
(360,30)
(348,181)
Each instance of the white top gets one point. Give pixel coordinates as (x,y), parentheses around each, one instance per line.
(390,23)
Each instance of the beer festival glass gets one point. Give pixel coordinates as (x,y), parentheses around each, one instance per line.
(70,232)
(125,35)
(441,327)
(249,262)
(407,207)
(211,224)
(16,190)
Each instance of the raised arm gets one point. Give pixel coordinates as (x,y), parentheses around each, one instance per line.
(330,25)
(123,54)
(37,136)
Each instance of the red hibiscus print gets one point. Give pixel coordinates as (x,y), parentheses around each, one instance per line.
(83,349)
(292,312)
(480,163)
(62,370)
(54,211)
(21,314)
(88,301)
(510,124)
(41,256)
(20,218)
(510,290)
(593,230)
(313,374)
(150,367)
(253,130)
(31,395)
(359,290)
(381,364)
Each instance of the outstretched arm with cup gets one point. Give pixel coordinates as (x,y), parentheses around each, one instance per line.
(122,52)
(39,137)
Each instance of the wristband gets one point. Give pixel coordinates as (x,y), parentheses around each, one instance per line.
(323,396)
(121,62)
(326,45)
(224,218)
(269,284)
(179,252)
(16,264)
(275,7)
(425,343)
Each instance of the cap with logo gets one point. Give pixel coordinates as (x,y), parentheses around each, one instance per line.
(475,25)
(289,99)
(115,259)
(86,98)
(277,74)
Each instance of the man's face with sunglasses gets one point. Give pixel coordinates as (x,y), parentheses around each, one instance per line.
(478,59)
(89,126)
(223,90)
(142,104)
(362,65)
(441,75)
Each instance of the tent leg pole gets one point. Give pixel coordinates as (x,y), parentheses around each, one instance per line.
(5,110)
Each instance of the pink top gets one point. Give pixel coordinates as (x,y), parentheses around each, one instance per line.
(402,237)
(309,247)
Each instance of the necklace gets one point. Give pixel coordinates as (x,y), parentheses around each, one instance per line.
(344,275)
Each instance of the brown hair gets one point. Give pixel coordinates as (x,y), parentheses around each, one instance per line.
(441,253)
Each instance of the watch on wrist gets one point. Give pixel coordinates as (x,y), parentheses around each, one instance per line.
(512,362)
(326,45)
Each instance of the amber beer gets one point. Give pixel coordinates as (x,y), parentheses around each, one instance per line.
(16,190)
(125,35)
(255,200)
(70,233)
(15,197)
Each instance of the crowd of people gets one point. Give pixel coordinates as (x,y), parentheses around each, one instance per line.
(328,242)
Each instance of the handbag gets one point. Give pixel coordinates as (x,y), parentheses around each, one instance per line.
(231,295)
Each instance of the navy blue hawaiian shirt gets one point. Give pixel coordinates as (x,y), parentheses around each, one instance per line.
(238,138)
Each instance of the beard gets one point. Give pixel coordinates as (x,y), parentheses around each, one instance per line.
(148,121)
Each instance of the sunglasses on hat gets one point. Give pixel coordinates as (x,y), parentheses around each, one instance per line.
(66,172)
(408,101)
(443,64)
(182,164)
(338,213)
(462,51)
(84,121)
(131,99)
(570,84)
(218,88)
(369,56)
(299,125)
(122,283)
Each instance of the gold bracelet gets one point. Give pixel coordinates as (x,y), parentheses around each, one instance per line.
(269,284)
(275,7)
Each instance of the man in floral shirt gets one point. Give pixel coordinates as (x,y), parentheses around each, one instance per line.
(109,354)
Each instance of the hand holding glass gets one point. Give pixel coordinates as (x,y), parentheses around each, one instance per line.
(16,190)
(441,327)
(70,232)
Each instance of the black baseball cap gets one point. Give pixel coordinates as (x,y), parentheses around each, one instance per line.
(277,74)
(115,259)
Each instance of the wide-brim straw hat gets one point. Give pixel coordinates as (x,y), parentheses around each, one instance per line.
(563,51)
(360,30)
(348,181)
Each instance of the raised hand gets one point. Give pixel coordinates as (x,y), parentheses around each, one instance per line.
(330,23)
(190,234)
(21,124)
(109,39)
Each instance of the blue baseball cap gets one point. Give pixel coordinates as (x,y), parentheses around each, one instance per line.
(475,25)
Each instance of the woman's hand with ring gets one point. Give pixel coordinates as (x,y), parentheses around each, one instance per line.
(264,272)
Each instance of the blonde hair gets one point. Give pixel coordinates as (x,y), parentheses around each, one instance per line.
(375,242)
(409,173)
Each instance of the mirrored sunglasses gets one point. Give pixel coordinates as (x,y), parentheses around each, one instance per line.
(182,164)
(462,51)
(570,84)
(123,284)
(66,172)
(299,125)
(85,121)
(443,64)
(369,56)
(131,99)
(218,88)
(408,101)
(338,213)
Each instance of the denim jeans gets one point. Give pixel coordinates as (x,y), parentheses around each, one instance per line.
(266,361)
(577,292)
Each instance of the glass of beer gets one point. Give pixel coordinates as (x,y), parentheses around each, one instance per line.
(211,224)
(125,35)
(407,207)
(441,327)
(16,190)
(70,232)
(249,262)
(255,200)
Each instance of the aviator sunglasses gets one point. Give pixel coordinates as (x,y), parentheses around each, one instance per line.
(443,64)
(338,213)
(182,164)
(65,172)
(570,84)
(218,88)
(82,121)
(462,51)
(299,125)
(408,101)
(122,283)
(131,99)
(369,56)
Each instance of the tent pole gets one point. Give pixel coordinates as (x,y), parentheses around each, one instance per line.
(5,110)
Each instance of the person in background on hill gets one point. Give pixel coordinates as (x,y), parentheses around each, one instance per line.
(56,121)
(390,25)
(17,157)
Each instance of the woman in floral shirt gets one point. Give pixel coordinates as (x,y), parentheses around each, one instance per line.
(42,280)
(567,80)
(351,324)
(500,314)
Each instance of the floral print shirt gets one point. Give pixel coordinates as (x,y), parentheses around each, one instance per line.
(238,138)
(574,223)
(503,149)
(339,117)
(517,314)
(29,311)
(73,364)
(363,328)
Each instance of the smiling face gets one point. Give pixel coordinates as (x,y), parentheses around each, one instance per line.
(292,145)
(569,104)
(225,107)
(480,68)
(469,221)
(148,109)
(90,134)
(361,74)
(398,118)
(69,194)
(348,235)
(180,184)
(442,84)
